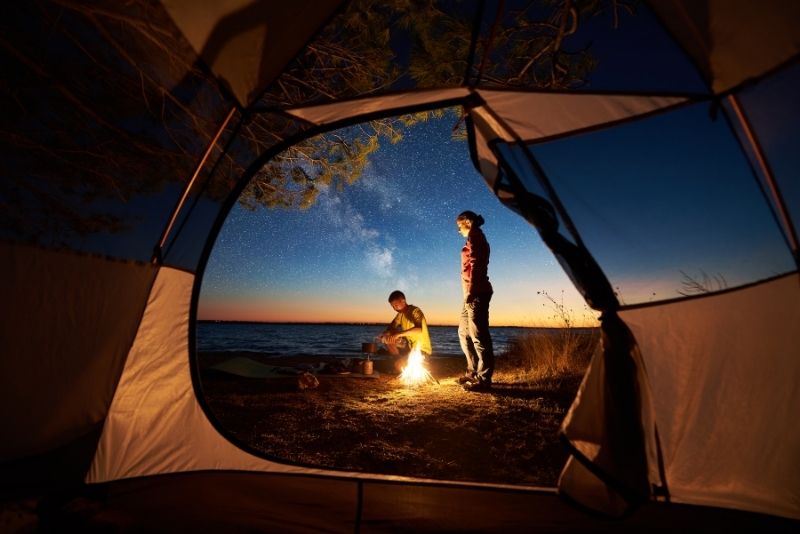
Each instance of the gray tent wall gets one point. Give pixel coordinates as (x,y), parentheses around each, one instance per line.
(118,356)
(71,318)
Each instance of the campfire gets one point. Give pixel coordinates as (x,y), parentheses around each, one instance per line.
(415,373)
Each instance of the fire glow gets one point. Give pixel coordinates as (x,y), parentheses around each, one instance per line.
(415,373)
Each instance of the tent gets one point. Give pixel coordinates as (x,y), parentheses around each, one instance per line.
(128,136)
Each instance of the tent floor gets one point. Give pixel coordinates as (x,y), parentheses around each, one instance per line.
(258,502)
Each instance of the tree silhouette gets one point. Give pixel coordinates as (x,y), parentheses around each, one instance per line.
(104,103)
(357,55)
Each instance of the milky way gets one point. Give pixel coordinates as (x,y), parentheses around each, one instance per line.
(393,229)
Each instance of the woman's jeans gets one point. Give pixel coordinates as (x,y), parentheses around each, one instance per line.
(476,342)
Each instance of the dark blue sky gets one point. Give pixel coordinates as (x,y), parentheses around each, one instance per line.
(393,229)
(667,195)
(656,201)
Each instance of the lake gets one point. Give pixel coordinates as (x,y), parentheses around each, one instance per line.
(341,340)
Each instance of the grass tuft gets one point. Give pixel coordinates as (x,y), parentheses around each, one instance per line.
(549,353)
(546,355)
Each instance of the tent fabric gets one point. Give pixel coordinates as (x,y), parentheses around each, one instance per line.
(328,113)
(536,116)
(247,43)
(719,36)
(528,116)
(722,415)
(229,501)
(611,467)
(771,116)
(68,344)
(705,386)
(155,424)
(236,501)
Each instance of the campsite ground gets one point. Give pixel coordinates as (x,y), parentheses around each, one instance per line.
(372,425)
(380,425)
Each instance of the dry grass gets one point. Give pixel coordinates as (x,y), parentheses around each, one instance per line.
(547,356)
(439,431)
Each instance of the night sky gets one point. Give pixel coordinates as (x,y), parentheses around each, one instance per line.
(657,201)
(393,229)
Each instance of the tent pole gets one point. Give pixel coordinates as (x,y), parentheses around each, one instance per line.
(766,170)
(157,258)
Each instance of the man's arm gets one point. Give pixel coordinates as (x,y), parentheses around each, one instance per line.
(413,334)
(390,330)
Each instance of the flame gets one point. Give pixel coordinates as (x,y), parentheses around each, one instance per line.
(415,373)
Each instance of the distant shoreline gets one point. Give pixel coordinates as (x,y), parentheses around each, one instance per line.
(334,323)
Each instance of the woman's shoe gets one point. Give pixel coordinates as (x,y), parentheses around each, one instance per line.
(478,386)
(466,379)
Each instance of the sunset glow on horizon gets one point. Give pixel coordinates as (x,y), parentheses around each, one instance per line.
(436,313)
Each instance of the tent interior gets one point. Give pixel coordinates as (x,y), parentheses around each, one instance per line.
(130,131)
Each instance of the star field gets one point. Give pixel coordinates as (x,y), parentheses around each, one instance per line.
(393,229)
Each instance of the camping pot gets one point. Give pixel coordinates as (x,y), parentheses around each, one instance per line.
(368,367)
(369,348)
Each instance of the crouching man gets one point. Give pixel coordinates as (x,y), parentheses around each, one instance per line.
(407,330)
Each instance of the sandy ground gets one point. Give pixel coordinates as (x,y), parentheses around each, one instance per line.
(380,425)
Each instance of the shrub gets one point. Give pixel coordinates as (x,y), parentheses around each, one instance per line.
(549,353)
(552,352)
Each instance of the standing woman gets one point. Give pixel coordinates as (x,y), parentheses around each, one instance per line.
(473,327)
